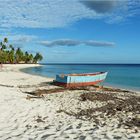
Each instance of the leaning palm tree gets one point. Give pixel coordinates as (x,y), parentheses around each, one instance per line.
(38,57)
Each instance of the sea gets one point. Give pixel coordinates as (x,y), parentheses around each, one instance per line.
(126,76)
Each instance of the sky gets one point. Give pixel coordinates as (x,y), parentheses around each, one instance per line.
(74,31)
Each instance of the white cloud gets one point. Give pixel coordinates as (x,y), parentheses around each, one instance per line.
(43,13)
(60,13)
(62,52)
(70,42)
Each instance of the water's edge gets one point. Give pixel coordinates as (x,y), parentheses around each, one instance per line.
(104,83)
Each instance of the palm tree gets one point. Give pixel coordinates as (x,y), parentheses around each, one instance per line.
(19,55)
(11,56)
(11,46)
(2,59)
(38,57)
(31,58)
(5,40)
(26,57)
(3,47)
(3,56)
(4,44)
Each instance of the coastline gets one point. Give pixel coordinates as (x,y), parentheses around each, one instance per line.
(58,116)
(108,85)
(122,88)
(18,66)
(11,71)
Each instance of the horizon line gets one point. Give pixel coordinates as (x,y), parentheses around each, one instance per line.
(91,63)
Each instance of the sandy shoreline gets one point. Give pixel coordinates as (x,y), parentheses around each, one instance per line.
(27,114)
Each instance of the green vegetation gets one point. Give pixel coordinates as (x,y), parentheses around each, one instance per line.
(8,54)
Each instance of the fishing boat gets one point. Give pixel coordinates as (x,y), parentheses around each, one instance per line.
(76,80)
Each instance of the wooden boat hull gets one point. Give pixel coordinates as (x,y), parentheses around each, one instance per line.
(76,80)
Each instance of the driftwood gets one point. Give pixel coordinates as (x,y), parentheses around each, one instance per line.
(6,85)
(41,92)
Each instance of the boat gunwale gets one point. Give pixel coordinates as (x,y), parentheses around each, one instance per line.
(84,74)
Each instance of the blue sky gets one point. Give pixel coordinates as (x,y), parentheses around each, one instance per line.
(74,31)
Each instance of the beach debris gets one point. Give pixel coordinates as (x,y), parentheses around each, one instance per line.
(92,96)
(110,89)
(133,122)
(39,119)
(114,107)
(79,88)
(28,126)
(100,88)
(31,97)
(41,92)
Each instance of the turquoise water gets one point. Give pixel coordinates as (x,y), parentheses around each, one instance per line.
(119,75)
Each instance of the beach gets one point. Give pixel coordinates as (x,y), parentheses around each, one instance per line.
(31,107)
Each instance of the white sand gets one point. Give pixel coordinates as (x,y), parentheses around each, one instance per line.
(19,117)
